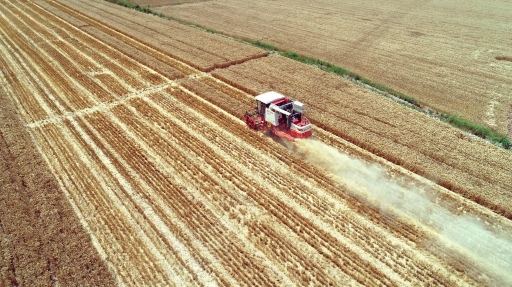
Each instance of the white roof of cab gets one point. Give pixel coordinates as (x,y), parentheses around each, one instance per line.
(269,97)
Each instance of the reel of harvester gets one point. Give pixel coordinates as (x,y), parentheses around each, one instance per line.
(254,120)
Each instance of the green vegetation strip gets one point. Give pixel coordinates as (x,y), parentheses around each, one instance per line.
(455,121)
(147,10)
(329,67)
(131,5)
(477,130)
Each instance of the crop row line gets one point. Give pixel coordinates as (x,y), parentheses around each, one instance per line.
(160,148)
(190,101)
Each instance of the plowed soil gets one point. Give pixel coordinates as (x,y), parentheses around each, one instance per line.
(439,52)
(136,124)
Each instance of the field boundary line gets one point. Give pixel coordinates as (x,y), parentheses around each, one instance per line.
(104,106)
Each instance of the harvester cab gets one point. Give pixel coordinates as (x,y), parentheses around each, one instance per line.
(279,115)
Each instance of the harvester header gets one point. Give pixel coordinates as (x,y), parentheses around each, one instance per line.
(279,115)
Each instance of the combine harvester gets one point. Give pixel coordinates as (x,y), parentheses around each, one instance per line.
(279,115)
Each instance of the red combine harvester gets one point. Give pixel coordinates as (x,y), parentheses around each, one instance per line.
(280,115)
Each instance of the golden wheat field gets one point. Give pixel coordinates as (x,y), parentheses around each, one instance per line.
(125,162)
(451,55)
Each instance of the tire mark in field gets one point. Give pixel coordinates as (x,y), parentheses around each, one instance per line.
(94,57)
(25,93)
(127,220)
(57,68)
(37,135)
(109,66)
(53,149)
(109,200)
(70,59)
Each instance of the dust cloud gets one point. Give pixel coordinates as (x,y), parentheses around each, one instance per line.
(467,234)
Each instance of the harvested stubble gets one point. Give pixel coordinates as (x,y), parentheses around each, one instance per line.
(461,163)
(176,191)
